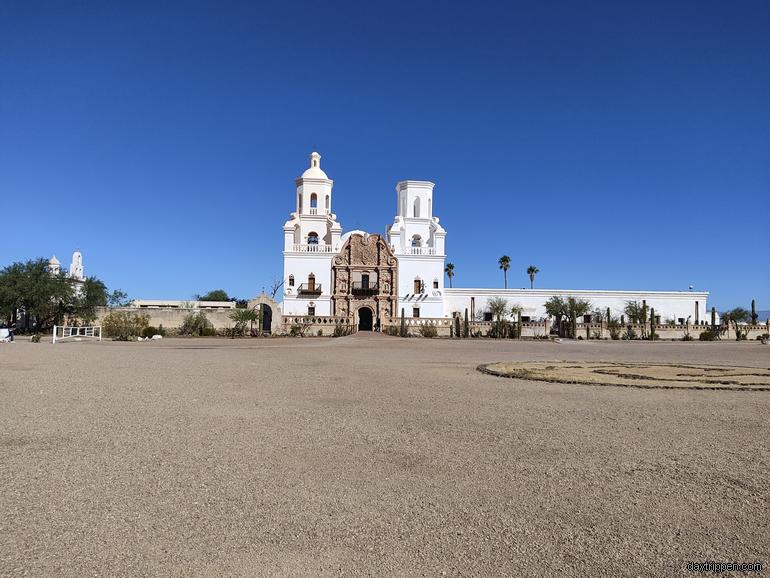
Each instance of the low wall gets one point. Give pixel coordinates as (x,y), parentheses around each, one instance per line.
(172,318)
(308,325)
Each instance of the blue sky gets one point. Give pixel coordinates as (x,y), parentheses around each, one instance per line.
(615,145)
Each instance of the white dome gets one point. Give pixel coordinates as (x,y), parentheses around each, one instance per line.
(53,261)
(314,172)
(346,236)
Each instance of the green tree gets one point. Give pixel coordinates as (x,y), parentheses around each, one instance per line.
(215,295)
(450,272)
(636,312)
(93,294)
(118,298)
(242,318)
(532,271)
(499,308)
(505,264)
(567,310)
(29,287)
(737,316)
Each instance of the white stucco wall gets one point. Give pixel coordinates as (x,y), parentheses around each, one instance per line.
(667,304)
(428,269)
(301,265)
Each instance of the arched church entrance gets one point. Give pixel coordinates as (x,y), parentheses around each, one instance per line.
(365,319)
(267,318)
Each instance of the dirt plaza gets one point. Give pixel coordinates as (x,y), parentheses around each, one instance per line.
(372,455)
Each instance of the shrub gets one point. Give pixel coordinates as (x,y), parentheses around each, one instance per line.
(320,333)
(687,337)
(392,330)
(343,330)
(197,324)
(708,335)
(428,330)
(295,330)
(764,336)
(149,331)
(35,338)
(124,325)
(629,334)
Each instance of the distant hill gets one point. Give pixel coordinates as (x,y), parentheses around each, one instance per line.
(764,314)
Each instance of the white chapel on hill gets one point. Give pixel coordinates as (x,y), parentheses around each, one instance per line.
(370,278)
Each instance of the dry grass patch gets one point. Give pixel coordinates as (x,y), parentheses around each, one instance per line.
(646,375)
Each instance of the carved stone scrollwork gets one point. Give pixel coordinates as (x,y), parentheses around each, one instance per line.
(373,256)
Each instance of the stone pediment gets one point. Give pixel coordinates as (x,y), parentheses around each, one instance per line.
(365,274)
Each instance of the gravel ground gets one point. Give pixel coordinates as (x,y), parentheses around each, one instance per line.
(371,455)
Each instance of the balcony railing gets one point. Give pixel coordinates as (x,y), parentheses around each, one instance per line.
(302,248)
(310,289)
(364,289)
(415,250)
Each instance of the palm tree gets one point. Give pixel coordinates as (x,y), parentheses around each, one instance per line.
(532,271)
(450,272)
(505,263)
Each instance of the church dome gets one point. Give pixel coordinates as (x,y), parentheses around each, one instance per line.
(314,172)
(53,261)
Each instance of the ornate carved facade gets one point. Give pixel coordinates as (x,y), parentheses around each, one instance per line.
(365,274)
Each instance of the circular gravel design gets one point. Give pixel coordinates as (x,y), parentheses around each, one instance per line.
(644,375)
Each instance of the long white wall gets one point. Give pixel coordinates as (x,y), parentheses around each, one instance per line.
(668,304)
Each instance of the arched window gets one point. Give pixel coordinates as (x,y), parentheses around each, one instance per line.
(291,280)
(417,207)
(299,202)
(312,238)
(313,201)
(327,202)
(417,241)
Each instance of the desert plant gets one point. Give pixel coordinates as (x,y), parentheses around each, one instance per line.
(708,335)
(457,330)
(567,310)
(466,326)
(242,319)
(737,317)
(428,330)
(392,330)
(754,315)
(35,338)
(197,324)
(532,271)
(124,325)
(450,272)
(505,264)
(629,334)
(341,330)
(402,329)
(499,308)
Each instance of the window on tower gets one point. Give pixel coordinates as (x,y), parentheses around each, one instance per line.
(312,238)
(313,201)
(417,241)
(417,207)
(291,280)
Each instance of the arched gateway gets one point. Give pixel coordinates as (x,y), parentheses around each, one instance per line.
(365,281)
(365,319)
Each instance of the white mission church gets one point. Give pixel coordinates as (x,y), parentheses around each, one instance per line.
(371,278)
